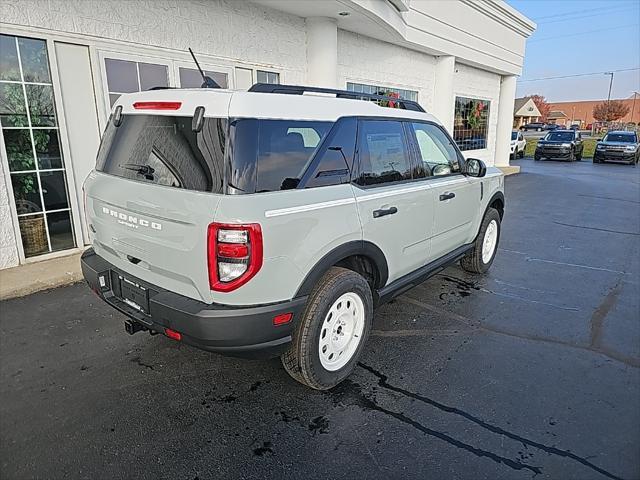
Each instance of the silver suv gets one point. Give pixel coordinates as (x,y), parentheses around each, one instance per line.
(275,221)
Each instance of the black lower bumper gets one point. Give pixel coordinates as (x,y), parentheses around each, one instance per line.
(240,331)
(600,156)
(553,154)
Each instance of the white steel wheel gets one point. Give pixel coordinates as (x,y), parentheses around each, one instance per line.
(490,241)
(341,331)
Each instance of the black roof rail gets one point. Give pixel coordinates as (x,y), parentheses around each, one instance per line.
(301,89)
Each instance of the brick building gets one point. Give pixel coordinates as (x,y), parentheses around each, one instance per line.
(582,112)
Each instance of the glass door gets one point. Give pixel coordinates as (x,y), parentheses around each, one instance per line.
(32,145)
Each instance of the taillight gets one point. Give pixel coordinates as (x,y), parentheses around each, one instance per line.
(234,254)
(157,105)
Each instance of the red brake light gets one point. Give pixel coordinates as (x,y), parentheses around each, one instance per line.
(234,255)
(173,334)
(157,105)
(282,318)
(233,250)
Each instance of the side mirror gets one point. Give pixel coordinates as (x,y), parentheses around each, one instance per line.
(475,168)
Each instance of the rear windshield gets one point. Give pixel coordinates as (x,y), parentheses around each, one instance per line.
(166,151)
(620,137)
(270,155)
(560,136)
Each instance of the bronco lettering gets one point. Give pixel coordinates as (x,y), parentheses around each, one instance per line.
(130,220)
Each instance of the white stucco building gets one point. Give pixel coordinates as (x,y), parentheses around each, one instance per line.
(63,62)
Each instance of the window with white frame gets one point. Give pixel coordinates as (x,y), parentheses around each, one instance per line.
(32,145)
(382,90)
(127,76)
(267,77)
(191,78)
(471,123)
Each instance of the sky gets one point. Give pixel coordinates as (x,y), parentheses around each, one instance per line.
(581,36)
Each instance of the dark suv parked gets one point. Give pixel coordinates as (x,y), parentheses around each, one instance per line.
(618,147)
(537,126)
(560,144)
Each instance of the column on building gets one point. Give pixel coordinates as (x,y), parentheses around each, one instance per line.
(443,101)
(505,120)
(322,52)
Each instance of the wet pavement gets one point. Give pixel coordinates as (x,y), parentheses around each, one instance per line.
(530,371)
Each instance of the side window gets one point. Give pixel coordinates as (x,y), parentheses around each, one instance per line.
(332,165)
(285,149)
(383,152)
(438,155)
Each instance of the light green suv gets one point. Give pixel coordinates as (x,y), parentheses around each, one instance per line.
(275,221)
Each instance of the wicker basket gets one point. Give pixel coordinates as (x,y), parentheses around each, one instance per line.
(34,235)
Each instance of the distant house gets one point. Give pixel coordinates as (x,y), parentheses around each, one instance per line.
(524,111)
(558,117)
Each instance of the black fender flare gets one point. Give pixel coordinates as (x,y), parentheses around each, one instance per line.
(494,197)
(356,247)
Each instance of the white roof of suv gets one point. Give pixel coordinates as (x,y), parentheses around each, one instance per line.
(239,104)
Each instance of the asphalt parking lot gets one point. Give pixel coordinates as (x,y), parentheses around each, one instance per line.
(530,371)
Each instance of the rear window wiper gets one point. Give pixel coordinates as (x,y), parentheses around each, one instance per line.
(140,169)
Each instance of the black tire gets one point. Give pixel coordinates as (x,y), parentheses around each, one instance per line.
(536,157)
(572,155)
(302,360)
(521,153)
(472,261)
(579,157)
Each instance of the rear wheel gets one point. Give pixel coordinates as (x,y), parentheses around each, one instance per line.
(485,246)
(330,336)
(537,157)
(522,153)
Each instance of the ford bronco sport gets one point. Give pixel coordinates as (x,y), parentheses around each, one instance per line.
(275,221)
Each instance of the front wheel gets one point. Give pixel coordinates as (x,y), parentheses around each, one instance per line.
(521,153)
(485,246)
(334,327)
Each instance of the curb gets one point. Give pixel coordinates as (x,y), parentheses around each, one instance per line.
(34,277)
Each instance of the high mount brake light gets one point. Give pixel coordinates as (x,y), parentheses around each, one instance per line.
(157,105)
(234,254)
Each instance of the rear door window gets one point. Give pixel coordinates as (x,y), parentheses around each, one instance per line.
(332,164)
(271,155)
(383,153)
(164,150)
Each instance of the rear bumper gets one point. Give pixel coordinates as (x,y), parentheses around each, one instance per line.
(242,331)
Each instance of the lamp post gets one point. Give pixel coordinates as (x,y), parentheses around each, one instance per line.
(609,96)
(633,105)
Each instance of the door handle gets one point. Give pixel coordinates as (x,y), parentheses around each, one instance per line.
(383,212)
(446,196)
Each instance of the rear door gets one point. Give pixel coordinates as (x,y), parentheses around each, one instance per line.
(455,196)
(395,207)
(155,191)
